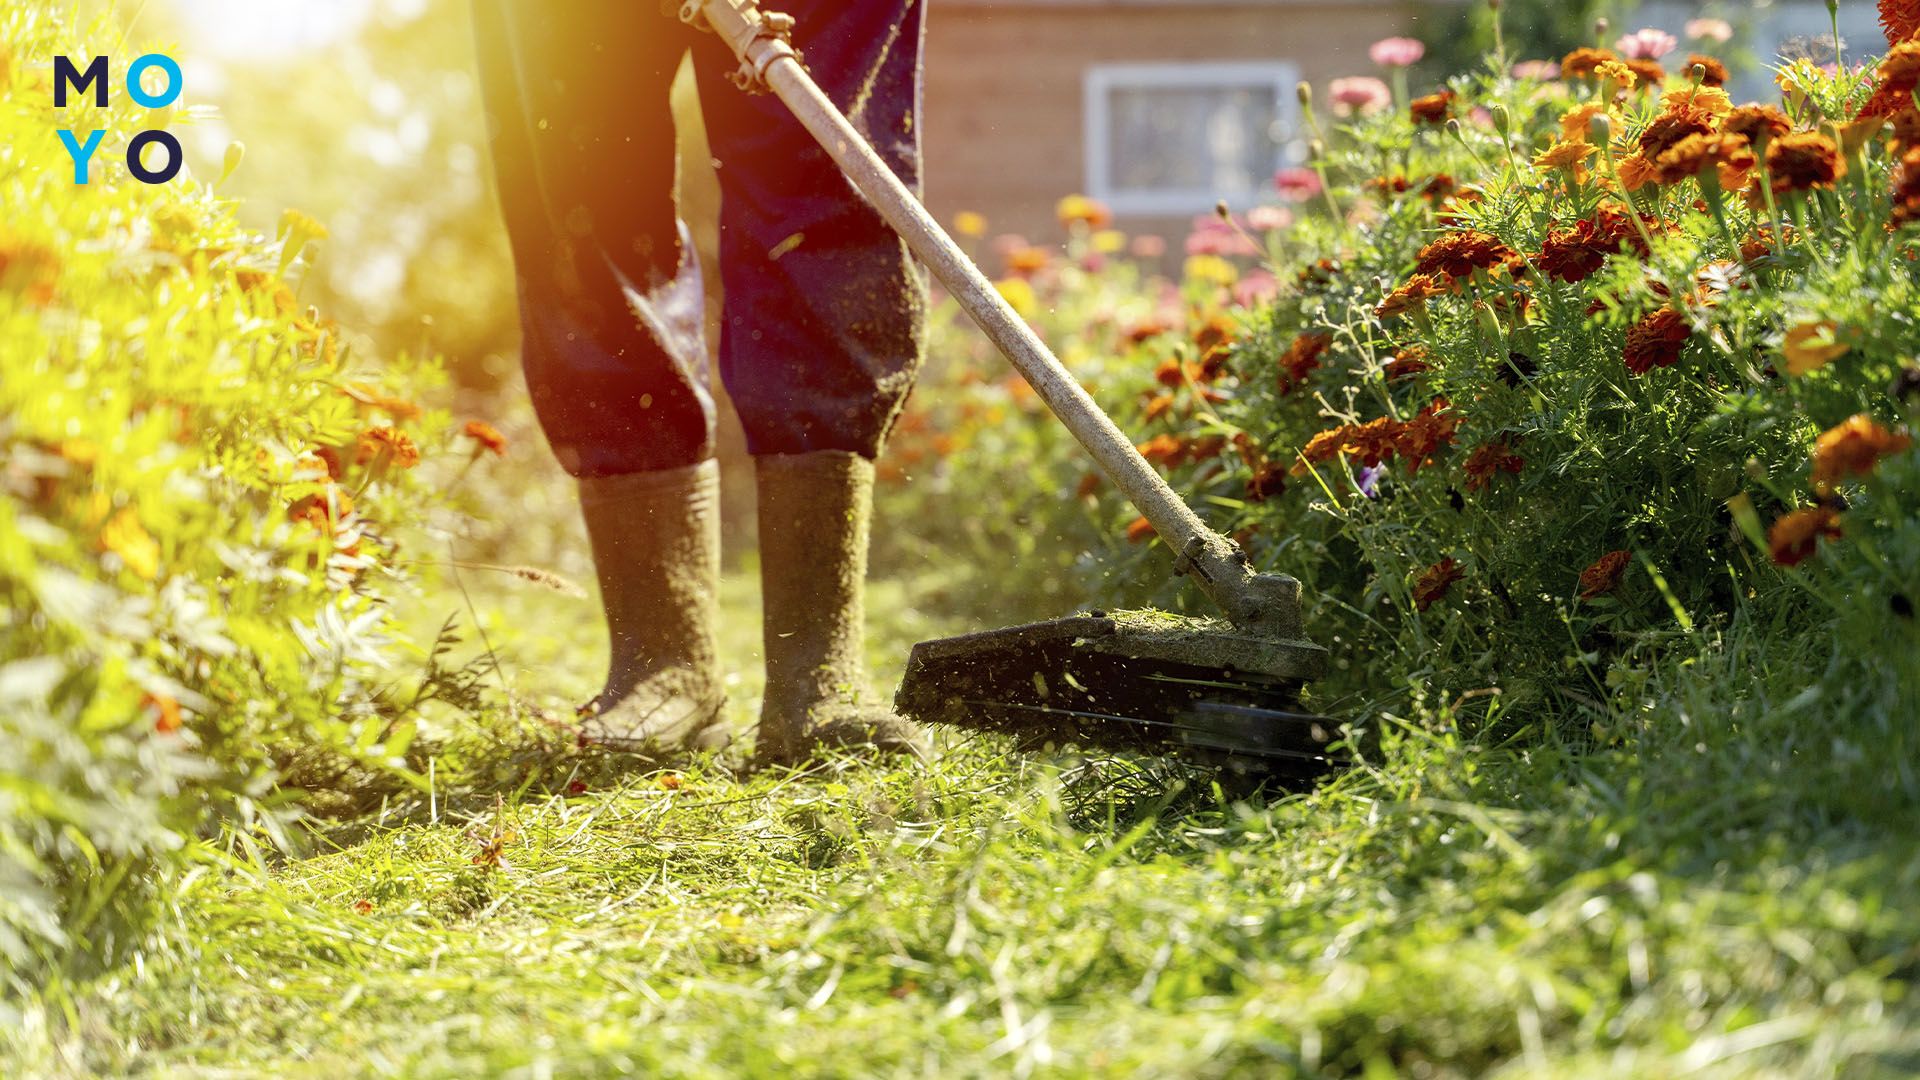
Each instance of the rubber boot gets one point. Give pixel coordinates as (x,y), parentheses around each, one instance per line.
(656,550)
(816,510)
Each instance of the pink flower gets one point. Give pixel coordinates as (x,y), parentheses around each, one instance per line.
(1297,184)
(1212,236)
(1269,218)
(1397,52)
(1714,30)
(1537,70)
(1257,287)
(1481,117)
(1148,247)
(1361,94)
(1647,44)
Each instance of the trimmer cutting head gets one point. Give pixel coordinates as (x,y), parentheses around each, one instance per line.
(1139,681)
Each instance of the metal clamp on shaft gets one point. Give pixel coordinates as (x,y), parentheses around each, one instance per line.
(759,38)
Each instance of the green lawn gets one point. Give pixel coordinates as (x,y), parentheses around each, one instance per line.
(1695,905)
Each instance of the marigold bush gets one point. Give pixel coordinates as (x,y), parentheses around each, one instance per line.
(1646,381)
(199,490)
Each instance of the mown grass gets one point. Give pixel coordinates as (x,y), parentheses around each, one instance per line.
(1699,896)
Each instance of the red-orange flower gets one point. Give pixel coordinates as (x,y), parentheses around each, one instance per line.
(1426,434)
(163,710)
(1726,158)
(1489,459)
(1301,358)
(1656,341)
(387,445)
(1757,123)
(1853,448)
(1432,109)
(1140,531)
(1458,254)
(1803,161)
(1408,362)
(1435,581)
(1794,537)
(1900,19)
(1604,575)
(1412,296)
(1582,63)
(1716,71)
(1899,74)
(487,436)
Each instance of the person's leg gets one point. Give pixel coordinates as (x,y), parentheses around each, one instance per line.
(611,316)
(822,335)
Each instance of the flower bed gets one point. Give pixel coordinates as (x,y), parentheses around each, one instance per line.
(1543,381)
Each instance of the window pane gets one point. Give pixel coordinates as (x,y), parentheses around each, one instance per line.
(1192,138)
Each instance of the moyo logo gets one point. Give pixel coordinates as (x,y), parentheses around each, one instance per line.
(66,76)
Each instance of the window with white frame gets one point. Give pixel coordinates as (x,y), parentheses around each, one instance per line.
(1176,138)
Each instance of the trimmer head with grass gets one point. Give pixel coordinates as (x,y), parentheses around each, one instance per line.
(1223,691)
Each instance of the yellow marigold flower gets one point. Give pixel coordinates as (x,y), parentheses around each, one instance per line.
(1019,295)
(1811,346)
(969,223)
(126,537)
(1614,71)
(1563,155)
(1706,98)
(1109,241)
(1578,121)
(1081,210)
(299,224)
(1211,269)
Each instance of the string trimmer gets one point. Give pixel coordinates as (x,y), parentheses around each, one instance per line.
(1225,690)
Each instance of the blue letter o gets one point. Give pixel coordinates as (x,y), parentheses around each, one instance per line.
(154,101)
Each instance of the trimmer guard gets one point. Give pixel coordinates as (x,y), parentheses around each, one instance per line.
(1142,681)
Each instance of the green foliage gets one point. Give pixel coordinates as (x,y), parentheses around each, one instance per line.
(196,549)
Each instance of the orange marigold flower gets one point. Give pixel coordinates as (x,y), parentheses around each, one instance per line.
(1432,109)
(1803,161)
(323,509)
(1900,19)
(1577,253)
(1165,450)
(1793,538)
(1408,362)
(1159,406)
(1672,126)
(487,436)
(1426,434)
(1726,158)
(1324,446)
(1899,75)
(1906,188)
(1757,123)
(163,710)
(1435,581)
(1301,358)
(1656,341)
(1716,72)
(1853,447)
(1140,531)
(389,445)
(1583,63)
(331,459)
(1604,575)
(1650,73)
(1412,296)
(1564,155)
(1577,124)
(1637,171)
(1490,459)
(1458,254)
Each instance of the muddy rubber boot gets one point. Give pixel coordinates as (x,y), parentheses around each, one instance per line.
(815,513)
(656,551)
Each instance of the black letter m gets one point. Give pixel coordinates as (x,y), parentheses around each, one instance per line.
(65,74)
